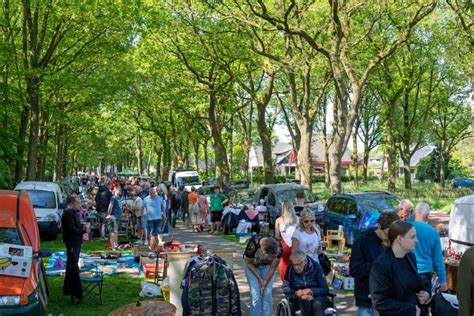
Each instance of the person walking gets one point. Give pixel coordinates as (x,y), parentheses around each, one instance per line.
(395,287)
(138,209)
(285,226)
(428,251)
(114,215)
(194,210)
(218,200)
(203,209)
(102,201)
(72,238)
(155,208)
(261,258)
(366,248)
(307,236)
(175,200)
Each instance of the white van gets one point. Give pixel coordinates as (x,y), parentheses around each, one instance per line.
(47,200)
(185,179)
(461,223)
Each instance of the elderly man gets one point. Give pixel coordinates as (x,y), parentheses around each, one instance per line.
(155,209)
(404,211)
(428,251)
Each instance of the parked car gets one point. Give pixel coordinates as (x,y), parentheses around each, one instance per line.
(238,185)
(461,223)
(47,200)
(357,212)
(26,294)
(275,194)
(185,179)
(462,183)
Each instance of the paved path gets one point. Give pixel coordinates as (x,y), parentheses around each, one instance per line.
(183,234)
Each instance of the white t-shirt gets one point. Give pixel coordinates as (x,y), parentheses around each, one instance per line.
(138,203)
(309,243)
(286,232)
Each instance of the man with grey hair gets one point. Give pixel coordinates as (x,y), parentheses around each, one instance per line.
(404,211)
(428,251)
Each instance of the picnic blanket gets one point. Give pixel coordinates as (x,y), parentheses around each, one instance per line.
(125,263)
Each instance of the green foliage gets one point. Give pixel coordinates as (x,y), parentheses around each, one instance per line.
(429,168)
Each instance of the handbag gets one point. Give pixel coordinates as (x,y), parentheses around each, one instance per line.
(325,263)
(444,304)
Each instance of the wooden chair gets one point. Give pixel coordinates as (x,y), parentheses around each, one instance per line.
(335,235)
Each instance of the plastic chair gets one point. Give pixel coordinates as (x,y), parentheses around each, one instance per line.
(335,235)
(92,282)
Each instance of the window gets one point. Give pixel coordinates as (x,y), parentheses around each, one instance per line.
(10,236)
(271,199)
(337,205)
(379,204)
(42,199)
(351,207)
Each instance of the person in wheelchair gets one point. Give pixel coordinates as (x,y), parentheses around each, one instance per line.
(305,285)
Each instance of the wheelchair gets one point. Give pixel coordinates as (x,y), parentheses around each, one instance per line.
(287,307)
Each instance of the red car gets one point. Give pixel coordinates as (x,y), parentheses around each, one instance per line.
(25,295)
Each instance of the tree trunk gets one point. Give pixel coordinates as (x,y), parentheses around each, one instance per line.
(355,155)
(221,162)
(206,157)
(42,153)
(265,137)
(58,150)
(442,165)
(196,154)
(139,152)
(392,166)
(32,90)
(304,157)
(406,171)
(20,150)
(159,155)
(365,166)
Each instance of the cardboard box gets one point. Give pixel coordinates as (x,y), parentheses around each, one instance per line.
(15,260)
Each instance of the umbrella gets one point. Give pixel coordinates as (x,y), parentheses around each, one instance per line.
(126,172)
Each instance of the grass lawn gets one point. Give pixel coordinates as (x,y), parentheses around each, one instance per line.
(118,290)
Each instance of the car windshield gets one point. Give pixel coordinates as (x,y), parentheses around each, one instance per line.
(291,195)
(189,180)
(10,236)
(379,203)
(42,199)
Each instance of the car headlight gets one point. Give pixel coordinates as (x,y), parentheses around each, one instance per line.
(10,300)
(49,218)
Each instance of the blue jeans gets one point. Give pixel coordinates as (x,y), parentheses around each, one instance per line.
(259,305)
(364,311)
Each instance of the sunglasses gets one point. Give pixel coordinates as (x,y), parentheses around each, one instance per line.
(308,221)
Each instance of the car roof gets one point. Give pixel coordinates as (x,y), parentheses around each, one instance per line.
(365,195)
(37,185)
(284,187)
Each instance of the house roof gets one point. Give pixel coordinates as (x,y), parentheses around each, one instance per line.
(418,155)
(281,154)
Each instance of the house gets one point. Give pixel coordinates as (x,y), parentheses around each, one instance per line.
(375,162)
(284,158)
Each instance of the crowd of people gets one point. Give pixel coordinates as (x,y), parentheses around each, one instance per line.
(393,265)
(150,207)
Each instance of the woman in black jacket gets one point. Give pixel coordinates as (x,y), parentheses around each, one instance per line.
(395,286)
(72,238)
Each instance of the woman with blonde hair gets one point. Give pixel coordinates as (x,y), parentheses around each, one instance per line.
(285,226)
(307,236)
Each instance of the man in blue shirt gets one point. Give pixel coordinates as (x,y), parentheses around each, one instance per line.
(428,251)
(114,214)
(154,209)
(405,209)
